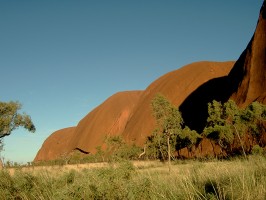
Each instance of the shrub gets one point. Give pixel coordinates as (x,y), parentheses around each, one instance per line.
(257,150)
(234,179)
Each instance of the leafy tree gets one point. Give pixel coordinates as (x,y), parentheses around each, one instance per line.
(114,143)
(218,127)
(118,149)
(10,119)
(253,118)
(169,124)
(99,153)
(157,145)
(187,138)
(227,121)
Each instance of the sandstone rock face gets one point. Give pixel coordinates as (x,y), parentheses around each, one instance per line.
(190,88)
(110,118)
(176,86)
(248,76)
(129,113)
(56,145)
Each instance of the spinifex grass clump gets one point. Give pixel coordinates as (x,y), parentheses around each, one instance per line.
(236,179)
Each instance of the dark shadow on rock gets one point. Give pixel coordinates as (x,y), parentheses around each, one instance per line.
(82,151)
(194,109)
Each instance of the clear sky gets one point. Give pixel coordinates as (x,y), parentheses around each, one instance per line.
(62,58)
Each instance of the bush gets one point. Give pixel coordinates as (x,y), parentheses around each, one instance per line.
(257,150)
(234,179)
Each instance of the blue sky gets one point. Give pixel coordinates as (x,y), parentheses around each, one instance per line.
(61,59)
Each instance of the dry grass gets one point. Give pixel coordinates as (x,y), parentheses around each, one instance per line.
(54,169)
(237,179)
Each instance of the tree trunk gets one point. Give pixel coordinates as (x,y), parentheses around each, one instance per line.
(1,164)
(169,153)
(240,142)
(161,151)
(143,153)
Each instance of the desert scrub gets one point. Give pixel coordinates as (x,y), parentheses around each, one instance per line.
(237,179)
(234,179)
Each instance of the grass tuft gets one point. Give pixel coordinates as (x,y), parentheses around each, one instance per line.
(223,180)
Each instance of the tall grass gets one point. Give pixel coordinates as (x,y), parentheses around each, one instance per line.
(237,179)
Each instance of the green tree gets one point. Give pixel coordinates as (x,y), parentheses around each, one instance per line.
(187,138)
(11,119)
(157,145)
(227,121)
(118,149)
(114,144)
(253,118)
(99,153)
(218,127)
(168,124)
